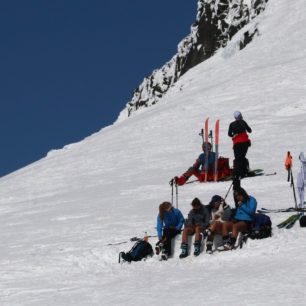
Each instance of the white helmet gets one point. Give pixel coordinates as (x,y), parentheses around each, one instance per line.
(237,115)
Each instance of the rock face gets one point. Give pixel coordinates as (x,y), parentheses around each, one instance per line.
(216,23)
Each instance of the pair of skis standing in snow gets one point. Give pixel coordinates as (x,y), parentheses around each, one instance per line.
(209,166)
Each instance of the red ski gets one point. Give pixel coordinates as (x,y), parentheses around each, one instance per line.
(206,149)
(216,150)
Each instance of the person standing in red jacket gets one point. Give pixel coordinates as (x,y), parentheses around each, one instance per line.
(238,132)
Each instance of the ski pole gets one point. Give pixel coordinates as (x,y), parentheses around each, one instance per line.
(230,187)
(292,185)
(171,184)
(211,137)
(176,192)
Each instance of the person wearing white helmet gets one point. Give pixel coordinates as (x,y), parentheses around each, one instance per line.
(238,131)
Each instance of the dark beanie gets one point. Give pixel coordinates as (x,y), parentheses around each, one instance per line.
(216,198)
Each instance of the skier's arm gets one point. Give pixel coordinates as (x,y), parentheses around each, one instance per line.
(159,228)
(197,164)
(181,221)
(230,131)
(247,127)
(249,207)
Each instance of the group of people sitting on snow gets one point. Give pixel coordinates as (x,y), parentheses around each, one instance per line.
(205,221)
(217,217)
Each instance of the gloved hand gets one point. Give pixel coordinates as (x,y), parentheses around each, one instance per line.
(180,180)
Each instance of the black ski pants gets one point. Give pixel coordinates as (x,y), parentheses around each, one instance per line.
(241,163)
(168,235)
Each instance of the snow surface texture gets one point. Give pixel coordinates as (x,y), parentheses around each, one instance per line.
(58,215)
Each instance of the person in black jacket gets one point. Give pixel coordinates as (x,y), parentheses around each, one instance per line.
(238,132)
(197,222)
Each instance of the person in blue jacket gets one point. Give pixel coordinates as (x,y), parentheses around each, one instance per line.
(242,220)
(199,167)
(170,221)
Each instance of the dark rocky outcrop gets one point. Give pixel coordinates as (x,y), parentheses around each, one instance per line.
(216,23)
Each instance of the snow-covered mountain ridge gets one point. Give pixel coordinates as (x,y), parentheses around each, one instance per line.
(58,215)
(217,21)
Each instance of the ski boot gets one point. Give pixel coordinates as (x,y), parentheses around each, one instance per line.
(229,244)
(184,248)
(197,248)
(226,242)
(158,248)
(209,245)
(164,256)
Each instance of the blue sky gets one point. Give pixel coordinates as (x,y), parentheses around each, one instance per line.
(68,67)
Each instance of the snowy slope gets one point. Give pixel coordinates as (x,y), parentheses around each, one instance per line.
(58,215)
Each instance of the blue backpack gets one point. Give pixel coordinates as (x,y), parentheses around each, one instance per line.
(261,227)
(141,249)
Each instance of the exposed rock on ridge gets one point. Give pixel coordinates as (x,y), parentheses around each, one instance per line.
(216,23)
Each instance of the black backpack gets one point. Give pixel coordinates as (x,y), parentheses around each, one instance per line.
(261,227)
(141,249)
(303,221)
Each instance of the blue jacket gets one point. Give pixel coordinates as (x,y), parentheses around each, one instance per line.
(200,162)
(173,218)
(246,211)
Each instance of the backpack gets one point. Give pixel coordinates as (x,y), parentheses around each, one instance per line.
(223,167)
(141,249)
(261,227)
(303,221)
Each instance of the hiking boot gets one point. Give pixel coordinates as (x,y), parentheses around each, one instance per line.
(229,245)
(197,248)
(207,233)
(164,256)
(158,248)
(225,245)
(209,245)
(184,248)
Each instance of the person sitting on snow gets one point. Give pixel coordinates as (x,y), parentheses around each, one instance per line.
(199,167)
(220,212)
(242,219)
(170,221)
(197,222)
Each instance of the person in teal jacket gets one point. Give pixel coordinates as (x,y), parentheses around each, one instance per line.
(170,221)
(242,220)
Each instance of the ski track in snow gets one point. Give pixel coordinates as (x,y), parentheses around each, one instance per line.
(58,215)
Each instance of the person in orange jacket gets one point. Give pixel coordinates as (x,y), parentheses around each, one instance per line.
(288,164)
(238,131)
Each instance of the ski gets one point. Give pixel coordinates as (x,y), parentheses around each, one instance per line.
(292,222)
(279,210)
(133,239)
(289,222)
(216,150)
(206,148)
(251,173)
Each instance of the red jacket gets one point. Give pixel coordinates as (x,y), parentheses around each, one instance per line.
(241,137)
